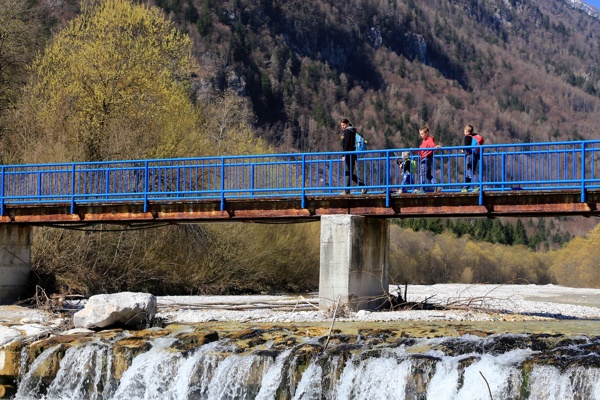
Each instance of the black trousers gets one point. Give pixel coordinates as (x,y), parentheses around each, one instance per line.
(350,160)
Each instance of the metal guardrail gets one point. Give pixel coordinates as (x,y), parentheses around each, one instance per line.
(551,166)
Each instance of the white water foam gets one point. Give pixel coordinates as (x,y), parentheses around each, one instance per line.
(548,383)
(272,378)
(310,385)
(502,377)
(84,374)
(151,374)
(194,373)
(30,384)
(381,378)
(212,372)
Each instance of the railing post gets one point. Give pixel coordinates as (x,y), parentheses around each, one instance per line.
(73,188)
(177,185)
(592,165)
(388,173)
(503,169)
(479,174)
(583,194)
(252,167)
(222,183)
(2,193)
(146,185)
(330,177)
(39,184)
(107,182)
(303,194)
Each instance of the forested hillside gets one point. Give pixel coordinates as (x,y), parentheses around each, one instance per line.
(114,79)
(517,70)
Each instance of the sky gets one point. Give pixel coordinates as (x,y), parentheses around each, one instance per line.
(593,3)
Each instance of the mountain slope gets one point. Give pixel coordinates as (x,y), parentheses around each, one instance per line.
(518,70)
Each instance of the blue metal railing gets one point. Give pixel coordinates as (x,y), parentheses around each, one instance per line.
(532,166)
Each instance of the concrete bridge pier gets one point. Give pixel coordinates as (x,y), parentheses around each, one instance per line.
(15,255)
(354,262)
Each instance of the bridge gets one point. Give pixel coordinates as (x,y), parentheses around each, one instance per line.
(553,178)
(556,178)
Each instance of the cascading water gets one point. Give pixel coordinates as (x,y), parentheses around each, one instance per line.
(350,367)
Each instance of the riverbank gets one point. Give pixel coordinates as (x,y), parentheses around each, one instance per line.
(460,302)
(481,308)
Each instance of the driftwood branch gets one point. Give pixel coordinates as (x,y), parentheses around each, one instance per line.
(337,303)
(488,386)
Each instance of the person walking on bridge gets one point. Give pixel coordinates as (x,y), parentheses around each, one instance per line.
(349,157)
(426,159)
(472,140)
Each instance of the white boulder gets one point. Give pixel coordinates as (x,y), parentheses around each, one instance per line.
(126,308)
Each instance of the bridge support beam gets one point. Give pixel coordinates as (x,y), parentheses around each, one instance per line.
(354,262)
(15,254)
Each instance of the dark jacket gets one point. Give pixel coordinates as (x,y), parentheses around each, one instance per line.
(349,139)
(468,142)
(406,166)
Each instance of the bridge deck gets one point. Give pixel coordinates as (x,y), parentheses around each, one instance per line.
(496,204)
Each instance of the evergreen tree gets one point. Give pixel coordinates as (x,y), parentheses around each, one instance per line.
(520,235)
(435,225)
(496,233)
(509,233)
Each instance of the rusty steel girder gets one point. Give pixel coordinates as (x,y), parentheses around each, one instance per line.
(438,205)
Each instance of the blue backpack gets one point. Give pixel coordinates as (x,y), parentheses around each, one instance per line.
(360,144)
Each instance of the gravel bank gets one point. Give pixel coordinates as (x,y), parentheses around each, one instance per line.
(463,302)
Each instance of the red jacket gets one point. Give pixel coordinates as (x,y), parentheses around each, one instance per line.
(427,143)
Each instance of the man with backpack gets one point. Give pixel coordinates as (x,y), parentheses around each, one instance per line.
(349,158)
(472,154)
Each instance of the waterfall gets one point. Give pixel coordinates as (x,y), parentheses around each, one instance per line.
(352,367)
(33,382)
(502,373)
(550,383)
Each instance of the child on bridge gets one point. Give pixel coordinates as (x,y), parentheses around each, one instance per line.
(472,140)
(407,176)
(426,159)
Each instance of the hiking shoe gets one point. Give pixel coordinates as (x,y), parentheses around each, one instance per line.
(345,192)
(364,191)
(476,189)
(438,189)
(465,190)
(419,191)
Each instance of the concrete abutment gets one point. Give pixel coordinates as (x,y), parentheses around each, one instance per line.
(354,262)
(15,256)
